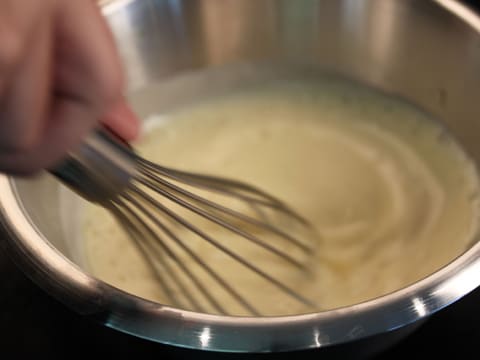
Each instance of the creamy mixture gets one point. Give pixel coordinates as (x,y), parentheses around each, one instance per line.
(391,195)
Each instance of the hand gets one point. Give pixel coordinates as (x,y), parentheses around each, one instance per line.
(59,74)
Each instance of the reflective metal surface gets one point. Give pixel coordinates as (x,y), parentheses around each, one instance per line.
(100,169)
(425,51)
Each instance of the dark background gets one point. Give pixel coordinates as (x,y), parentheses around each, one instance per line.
(32,323)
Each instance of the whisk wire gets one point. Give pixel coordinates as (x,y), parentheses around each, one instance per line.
(280,285)
(129,226)
(222,282)
(224,224)
(265,225)
(136,230)
(108,172)
(222,185)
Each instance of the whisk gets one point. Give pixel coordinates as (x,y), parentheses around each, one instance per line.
(161,209)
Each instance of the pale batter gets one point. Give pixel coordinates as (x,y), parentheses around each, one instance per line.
(391,195)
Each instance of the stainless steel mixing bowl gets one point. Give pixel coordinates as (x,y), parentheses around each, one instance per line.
(425,51)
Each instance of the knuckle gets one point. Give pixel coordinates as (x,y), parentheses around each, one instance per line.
(29,142)
(108,92)
(112,88)
(11,48)
(23,143)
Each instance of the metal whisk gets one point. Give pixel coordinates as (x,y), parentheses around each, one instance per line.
(162,209)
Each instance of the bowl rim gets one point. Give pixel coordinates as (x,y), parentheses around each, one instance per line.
(146,319)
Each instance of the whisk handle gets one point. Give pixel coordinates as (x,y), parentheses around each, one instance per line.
(100,169)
